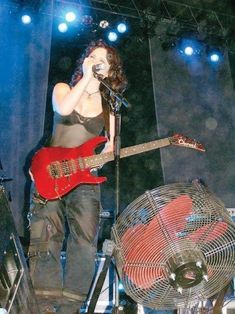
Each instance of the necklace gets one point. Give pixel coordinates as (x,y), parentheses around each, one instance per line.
(90,94)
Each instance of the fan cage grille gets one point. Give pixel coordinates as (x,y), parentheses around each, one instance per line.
(148,233)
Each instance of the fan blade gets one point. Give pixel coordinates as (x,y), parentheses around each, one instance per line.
(143,245)
(140,234)
(208,232)
(174,215)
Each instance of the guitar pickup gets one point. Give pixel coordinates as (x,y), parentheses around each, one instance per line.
(65,168)
(54,169)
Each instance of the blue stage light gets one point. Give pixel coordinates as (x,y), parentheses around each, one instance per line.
(70,16)
(63,27)
(26,19)
(189,47)
(188,50)
(214,57)
(112,36)
(121,27)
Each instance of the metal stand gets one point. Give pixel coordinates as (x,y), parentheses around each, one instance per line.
(108,246)
(117,147)
(16,291)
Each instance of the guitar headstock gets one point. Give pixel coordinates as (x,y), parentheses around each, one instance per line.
(184,141)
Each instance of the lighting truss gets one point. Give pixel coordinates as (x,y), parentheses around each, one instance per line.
(190,16)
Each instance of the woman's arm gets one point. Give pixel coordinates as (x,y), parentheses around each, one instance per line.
(65,99)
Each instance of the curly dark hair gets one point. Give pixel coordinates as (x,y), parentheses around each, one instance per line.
(116,77)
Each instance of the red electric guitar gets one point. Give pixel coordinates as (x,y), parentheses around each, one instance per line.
(58,170)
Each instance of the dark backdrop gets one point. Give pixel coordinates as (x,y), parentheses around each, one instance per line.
(24,64)
(196,98)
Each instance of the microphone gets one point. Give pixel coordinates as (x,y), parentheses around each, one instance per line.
(98,67)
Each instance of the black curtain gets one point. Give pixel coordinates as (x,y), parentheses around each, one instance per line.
(196,98)
(24,66)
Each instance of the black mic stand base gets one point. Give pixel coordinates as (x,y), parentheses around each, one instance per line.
(108,248)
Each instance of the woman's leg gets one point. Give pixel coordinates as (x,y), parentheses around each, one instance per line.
(47,234)
(83,208)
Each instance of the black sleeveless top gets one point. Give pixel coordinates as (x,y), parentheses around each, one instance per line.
(74,129)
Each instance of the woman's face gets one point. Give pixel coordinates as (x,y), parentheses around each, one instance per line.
(99,56)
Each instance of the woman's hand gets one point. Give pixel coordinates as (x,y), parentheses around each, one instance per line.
(87,67)
(107,149)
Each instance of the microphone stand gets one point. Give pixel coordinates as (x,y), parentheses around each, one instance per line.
(115,107)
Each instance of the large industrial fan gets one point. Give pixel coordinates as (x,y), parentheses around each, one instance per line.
(174,246)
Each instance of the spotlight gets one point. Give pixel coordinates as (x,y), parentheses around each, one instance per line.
(112,36)
(70,16)
(63,27)
(104,24)
(26,19)
(188,50)
(214,57)
(214,53)
(190,47)
(121,27)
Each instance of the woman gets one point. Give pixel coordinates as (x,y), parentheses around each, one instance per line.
(81,112)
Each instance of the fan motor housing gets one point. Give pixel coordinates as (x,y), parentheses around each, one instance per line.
(186,268)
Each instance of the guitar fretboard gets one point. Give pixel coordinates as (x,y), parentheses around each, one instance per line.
(98,160)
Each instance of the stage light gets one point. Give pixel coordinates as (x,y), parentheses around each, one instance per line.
(26,19)
(104,24)
(214,54)
(188,50)
(112,36)
(63,27)
(189,47)
(121,27)
(70,16)
(214,57)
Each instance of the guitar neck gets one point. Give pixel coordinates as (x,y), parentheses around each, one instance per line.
(101,159)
